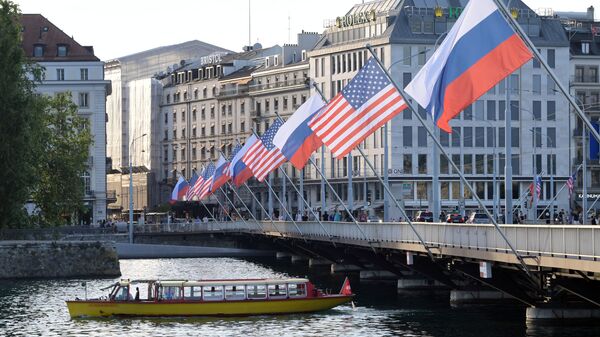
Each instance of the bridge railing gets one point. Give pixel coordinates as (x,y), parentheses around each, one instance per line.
(569,241)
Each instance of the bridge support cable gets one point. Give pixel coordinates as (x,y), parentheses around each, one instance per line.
(211,215)
(336,195)
(284,208)
(453,164)
(264,210)
(307,205)
(236,210)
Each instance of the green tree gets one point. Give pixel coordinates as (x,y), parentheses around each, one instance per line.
(67,140)
(20,120)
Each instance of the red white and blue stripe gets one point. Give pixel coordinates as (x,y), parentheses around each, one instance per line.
(195,188)
(220,178)
(363,106)
(571,183)
(479,51)
(237,169)
(190,193)
(263,156)
(207,179)
(296,140)
(180,190)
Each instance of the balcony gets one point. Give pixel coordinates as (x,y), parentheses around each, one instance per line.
(111,196)
(585,79)
(233,92)
(280,85)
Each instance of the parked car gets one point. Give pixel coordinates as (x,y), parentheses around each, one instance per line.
(424,216)
(478,218)
(455,218)
(373,218)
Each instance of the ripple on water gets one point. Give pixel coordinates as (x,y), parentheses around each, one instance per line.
(37,308)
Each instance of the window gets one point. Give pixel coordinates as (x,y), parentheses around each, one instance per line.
(537,84)
(407,136)
(83,74)
(422,137)
(297,290)
(468,136)
(551,164)
(585,47)
(38,51)
(60,74)
(407,55)
(242,108)
(407,165)
(194,114)
(83,100)
(422,162)
(170,293)
(479,137)
(277,290)
(61,50)
(257,291)
(214,293)
(445,139)
(491,112)
(537,110)
(515,137)
(468,163)
(479,164)
(551,110)
(491,137)
(551,58)
(235,292)
(514,110)
(444,165)
(551,133)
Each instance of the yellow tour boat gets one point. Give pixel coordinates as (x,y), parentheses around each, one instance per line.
(210,298)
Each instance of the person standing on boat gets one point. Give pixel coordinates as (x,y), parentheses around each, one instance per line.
(137,293)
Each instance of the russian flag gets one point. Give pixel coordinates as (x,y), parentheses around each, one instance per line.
(237,169)
(480,50)
(295,139)
(219,177)
(180,190)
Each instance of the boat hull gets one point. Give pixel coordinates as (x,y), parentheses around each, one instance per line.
(203,308)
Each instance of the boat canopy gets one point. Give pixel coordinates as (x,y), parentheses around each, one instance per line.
(210,283)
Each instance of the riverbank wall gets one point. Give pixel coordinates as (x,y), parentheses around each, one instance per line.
(58,259)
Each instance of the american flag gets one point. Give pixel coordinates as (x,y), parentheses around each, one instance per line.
(207,179)
(190,193)
(571,183)
(364,105)
(538,186)
(195,189)
(264,157)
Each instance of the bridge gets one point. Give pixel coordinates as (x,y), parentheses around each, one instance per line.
(563,261)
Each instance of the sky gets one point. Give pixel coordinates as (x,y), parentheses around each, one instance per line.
(118,28)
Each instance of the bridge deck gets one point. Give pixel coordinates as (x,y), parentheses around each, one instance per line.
(571,247)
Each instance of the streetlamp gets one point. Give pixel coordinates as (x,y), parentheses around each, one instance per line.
(131,190)
(462,168)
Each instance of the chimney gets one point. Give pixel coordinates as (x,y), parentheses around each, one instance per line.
(590,13)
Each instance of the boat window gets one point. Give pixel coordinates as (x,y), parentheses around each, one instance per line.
(277,290)
(170,293)
(213,293)
(297,289)
(122,294)
(192,293)
(235,292)
(256,291)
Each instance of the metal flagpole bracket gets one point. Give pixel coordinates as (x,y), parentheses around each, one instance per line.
(337,196)
(452,163)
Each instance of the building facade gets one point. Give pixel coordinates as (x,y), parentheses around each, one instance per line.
(71,67)
(404,40)
(584,84)
(133,126)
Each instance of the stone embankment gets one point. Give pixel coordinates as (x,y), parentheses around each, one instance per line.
(52,259)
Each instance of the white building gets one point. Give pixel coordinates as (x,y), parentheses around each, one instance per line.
(133,113)
(70,67)
(404,38)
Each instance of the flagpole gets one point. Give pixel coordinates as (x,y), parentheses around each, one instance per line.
(336,196)
(301,179)
(350,187)
(323,201)
(211,215)
(270,195)
(387,189)
(386,199)
(508,191)
(558,193)
(303,200)
(236,210)
(238,196)
(284,193)
(262,207)
(550,72)
(443,151)
(286,211)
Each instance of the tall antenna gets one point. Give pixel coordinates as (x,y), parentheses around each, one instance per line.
(249,26)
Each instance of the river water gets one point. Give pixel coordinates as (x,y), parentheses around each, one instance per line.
(37,308)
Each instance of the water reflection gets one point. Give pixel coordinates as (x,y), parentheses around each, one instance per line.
(37,308)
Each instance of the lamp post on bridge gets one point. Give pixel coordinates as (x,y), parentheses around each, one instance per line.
(131,189)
